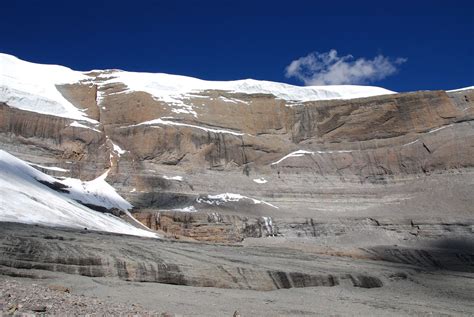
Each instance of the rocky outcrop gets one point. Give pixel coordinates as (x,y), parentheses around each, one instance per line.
(209,227)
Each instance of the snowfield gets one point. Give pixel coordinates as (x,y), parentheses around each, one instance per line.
(25,199)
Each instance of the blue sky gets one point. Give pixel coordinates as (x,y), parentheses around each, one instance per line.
(403,46)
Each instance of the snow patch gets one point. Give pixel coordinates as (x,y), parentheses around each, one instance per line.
(440,128)
(80,125)
(228,100)
(260,180)
(234,100)
(300,153)
(410,143)
(118,149)
(51,168)
(166,122)
(221,199)
(187,109)
(186,209)
(174,178)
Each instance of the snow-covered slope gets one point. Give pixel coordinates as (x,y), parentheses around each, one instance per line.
(24,199)
(95,192)
(32,87)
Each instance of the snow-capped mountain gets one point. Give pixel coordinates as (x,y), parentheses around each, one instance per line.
(256,150)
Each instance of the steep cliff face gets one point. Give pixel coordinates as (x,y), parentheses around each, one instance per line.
(383,137)
(172,142)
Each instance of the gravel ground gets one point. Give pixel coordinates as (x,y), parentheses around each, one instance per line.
(448,294)
(25,298)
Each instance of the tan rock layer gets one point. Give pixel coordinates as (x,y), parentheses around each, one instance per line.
(208,227)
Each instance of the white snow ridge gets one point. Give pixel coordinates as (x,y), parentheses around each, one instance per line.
(25,199)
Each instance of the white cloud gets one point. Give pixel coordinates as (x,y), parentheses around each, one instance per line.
(330,69)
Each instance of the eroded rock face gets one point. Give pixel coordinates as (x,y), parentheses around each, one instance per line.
(262,129)
(382,136)
(299,159)
(209,227)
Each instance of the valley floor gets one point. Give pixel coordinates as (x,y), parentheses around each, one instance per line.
(432,281)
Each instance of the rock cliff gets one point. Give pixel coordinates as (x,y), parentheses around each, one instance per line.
(249,153)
